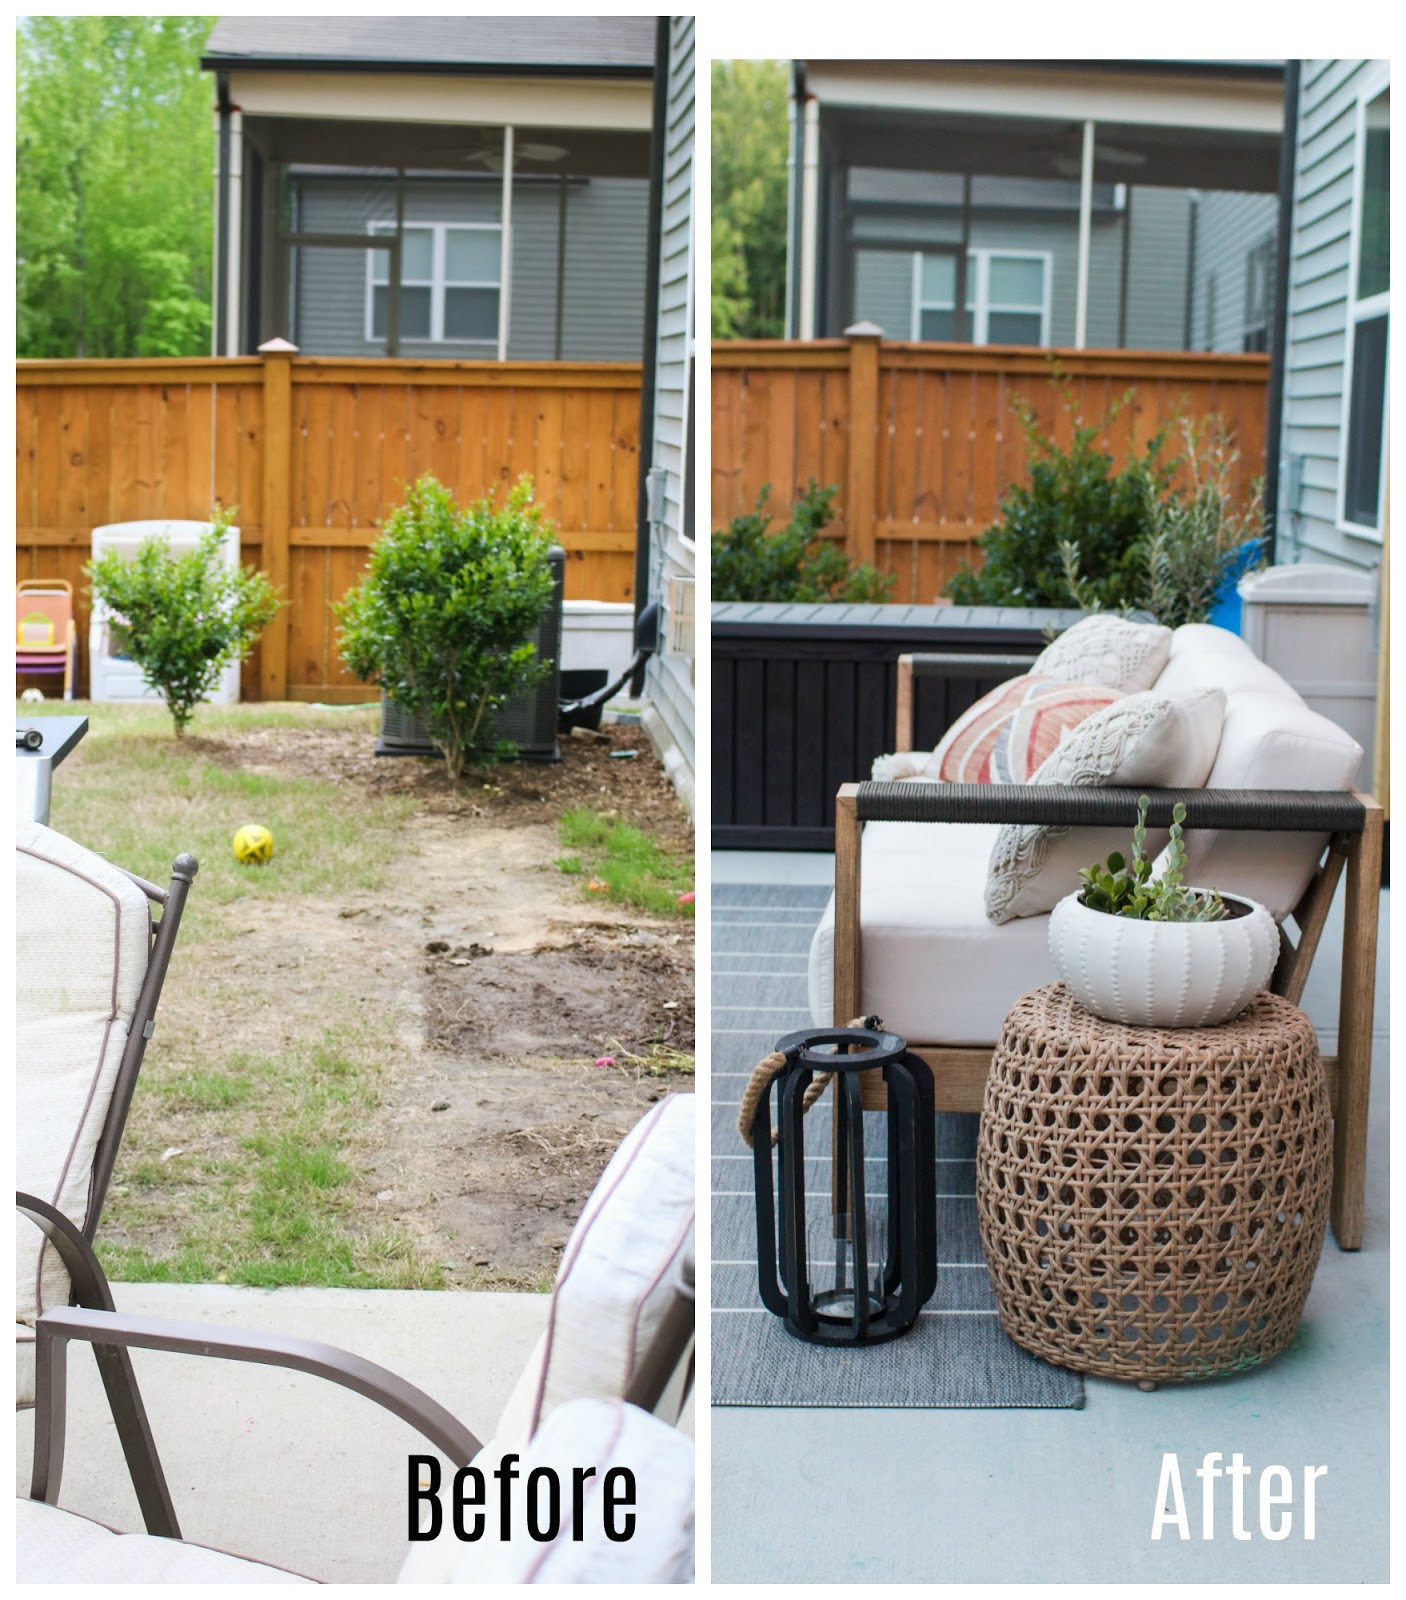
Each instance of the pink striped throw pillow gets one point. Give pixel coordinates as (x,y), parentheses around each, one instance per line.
(1006,735)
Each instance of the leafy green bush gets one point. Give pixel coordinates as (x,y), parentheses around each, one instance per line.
(1082,533)
(749,563)
(442,619)
(1075,500)
(184,619)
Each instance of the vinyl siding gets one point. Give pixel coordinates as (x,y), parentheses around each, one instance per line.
(883,279)
(606,226)
(669,677)
(1228,227)
(1318,334)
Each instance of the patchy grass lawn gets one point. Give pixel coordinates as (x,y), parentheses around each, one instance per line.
(297,1121)
(625,864)
(139,796)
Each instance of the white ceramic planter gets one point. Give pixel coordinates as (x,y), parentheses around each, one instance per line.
(1163,974)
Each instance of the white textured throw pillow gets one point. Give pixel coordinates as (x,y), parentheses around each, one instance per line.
(1143,740)
(1109,650)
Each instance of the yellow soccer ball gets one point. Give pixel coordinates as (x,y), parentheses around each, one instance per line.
(253,845)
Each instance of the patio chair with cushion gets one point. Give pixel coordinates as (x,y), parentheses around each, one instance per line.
(610,1376)
(90,965)
(947,925)
(46,637)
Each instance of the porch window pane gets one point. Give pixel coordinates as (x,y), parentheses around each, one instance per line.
(1374,259)
(940,325)
(1364,433)
(414,312)
(939,280)
(1014,282)
(472,255)
(1013,327)
(471,314)
(417,256)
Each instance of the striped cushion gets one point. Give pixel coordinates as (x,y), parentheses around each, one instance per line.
(1009,732)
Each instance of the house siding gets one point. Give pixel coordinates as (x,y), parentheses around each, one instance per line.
(1228,227)
(606,226)
(883,279)
(1317,334)
(669,675)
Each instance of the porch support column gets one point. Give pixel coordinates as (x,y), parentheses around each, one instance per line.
(219,289)
(505,258)
(1086,214)
(810,216)
(235,241)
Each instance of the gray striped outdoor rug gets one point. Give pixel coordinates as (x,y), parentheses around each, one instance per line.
(957,1355)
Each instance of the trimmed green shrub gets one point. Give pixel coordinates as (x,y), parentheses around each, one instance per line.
(751,563)
(443,617)
(1075,500)
(184,619)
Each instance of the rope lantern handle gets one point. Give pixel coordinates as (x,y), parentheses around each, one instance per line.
(766,1069)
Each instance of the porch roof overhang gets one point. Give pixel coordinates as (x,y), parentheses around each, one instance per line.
(379,99)
(1174,128)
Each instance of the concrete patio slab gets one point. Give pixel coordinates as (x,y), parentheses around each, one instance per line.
(1069,1496)
(281,1466)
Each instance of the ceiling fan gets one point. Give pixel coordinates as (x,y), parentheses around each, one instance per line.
(1071,166)
(492,155)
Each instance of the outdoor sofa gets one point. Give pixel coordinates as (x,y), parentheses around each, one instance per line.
(1272,815)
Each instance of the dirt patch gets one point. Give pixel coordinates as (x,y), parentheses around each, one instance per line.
(628,993)
(595,770)
(495,1121)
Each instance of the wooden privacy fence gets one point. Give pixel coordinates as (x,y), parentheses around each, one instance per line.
(922,441)
(314,453)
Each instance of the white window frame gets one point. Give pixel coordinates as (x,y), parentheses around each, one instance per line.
(1376,81)
(436,283)
(979,306)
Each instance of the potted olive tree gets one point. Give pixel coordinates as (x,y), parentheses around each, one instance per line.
(1153,952)
(443,618)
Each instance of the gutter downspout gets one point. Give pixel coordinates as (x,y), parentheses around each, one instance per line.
(650,355)
(1274,419)
(220,320)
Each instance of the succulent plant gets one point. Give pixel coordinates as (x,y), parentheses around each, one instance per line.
(1127,888)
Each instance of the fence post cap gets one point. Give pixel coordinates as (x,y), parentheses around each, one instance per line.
(278,347)
(864,330)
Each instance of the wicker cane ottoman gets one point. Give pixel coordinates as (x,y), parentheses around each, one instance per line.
(1153,1200)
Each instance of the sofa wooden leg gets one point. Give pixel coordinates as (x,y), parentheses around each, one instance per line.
(1359,973)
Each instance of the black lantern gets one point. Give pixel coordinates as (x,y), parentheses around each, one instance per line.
(860,1272)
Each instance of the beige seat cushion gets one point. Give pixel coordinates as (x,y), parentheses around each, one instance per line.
(57,1546)
(934,968)
(616,1273)
(82,931)
(1269,740)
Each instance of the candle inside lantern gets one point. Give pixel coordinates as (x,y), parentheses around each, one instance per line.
(833,1266)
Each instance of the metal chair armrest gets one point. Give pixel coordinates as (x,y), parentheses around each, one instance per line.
(116,1330)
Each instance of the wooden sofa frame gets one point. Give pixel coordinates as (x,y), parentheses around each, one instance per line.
(1353,822)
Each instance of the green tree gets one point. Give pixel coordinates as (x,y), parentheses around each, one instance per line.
(114,201)
(749,199)
(184,619)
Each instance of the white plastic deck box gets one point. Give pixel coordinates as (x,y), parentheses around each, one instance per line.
(1315,624)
